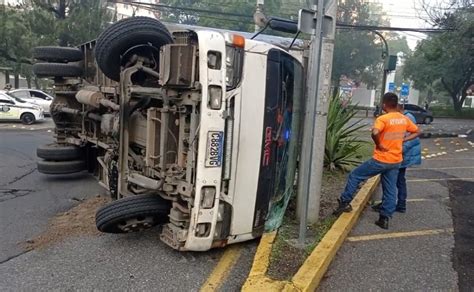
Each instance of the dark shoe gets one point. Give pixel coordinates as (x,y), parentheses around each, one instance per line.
(343,207)
(377,207)
(401,209)
(382,222)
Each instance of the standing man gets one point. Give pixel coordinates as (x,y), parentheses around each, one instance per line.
(388,134)
(411,156)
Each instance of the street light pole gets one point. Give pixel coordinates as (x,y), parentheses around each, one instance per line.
(385,54)
(258,14)
(317,101)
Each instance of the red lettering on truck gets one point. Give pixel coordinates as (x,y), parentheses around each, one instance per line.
(267,148)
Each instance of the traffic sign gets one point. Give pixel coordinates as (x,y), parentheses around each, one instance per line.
(405,89)
(391,86)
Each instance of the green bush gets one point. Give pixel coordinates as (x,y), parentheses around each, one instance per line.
(342,141)
(448,111)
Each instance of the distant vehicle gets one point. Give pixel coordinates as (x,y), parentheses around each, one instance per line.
(421,115)
(34,96)
(12,109)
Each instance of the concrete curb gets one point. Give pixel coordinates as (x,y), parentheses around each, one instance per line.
(313,269)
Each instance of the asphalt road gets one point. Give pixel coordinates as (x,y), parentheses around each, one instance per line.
(429,248)
(28,200)
(45,124)
(439,125)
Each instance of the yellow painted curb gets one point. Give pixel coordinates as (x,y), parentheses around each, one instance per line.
(257,280)
(222,269)
(262,256)
(313,269)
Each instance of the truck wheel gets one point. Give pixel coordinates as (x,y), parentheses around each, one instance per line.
(27,118)
(132,214)
(57,70)
(57,54)
(61,167)
(427,120)
(135,33)
(58,152)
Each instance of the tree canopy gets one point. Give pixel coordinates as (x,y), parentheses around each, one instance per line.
(446,59)
(70,22)
(46,22)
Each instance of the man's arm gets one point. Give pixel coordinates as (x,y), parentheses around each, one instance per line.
(413,130)
(412,136)
(376,137)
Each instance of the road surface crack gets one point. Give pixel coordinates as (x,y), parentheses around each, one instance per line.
(9,194)
(21,176)
(14,256)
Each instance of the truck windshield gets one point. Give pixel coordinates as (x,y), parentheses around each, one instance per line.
(283,99)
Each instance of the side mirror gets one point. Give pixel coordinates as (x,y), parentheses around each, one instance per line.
(283,25)
(5,108)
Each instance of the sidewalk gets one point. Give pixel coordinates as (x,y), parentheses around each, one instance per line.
(423,249)
(46,124)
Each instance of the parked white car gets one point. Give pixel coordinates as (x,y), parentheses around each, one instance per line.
(12,109)
(34,96)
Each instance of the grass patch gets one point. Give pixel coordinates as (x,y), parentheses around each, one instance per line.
(465,113)
(286,257)
(365,151)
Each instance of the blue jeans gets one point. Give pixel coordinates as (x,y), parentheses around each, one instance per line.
(402,189)
(371,168)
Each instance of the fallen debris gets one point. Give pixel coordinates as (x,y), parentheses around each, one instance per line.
(79,220)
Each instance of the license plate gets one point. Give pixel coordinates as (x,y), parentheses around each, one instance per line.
(214,149)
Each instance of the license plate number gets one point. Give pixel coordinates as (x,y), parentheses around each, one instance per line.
(214,149)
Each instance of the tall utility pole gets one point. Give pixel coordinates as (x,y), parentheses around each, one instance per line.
(318,84)
(259,16)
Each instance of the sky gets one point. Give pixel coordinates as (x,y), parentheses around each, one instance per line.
(407,13)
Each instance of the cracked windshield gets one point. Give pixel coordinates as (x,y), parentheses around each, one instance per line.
(236,145)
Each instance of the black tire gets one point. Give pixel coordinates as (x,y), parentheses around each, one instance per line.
(427,120)
(57,70)
(58,152)
(112,216)
(61,167)
(27,118)
(57,54)
(123,35)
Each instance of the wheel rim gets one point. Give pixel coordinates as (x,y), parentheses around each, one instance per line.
(27,119)
(136,224)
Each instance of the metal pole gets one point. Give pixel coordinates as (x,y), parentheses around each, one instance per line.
(385,54)
(318,93)
(259,10)
(384,83)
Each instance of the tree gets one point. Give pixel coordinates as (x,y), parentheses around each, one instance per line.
(232,15)
(46,22)
(70,22)
(357,53)
(15,41)
(446,58)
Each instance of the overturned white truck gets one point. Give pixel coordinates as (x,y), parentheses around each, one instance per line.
(192,129)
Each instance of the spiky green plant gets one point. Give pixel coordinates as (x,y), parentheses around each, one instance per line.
(342,141)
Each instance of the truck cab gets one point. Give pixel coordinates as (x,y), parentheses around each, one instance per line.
(195,130)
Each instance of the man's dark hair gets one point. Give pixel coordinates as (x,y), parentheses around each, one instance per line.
(390,99)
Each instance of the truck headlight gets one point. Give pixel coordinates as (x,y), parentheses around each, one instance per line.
(208,196)
(234,62)
(215,97)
